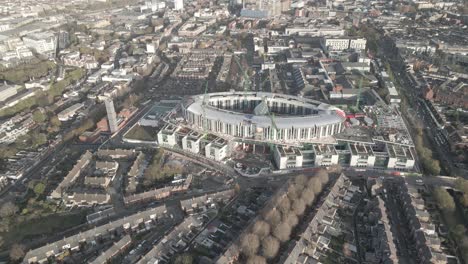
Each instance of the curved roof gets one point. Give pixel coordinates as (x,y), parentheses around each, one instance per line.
(327,114)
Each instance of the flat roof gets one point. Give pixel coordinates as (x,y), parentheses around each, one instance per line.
(326,115)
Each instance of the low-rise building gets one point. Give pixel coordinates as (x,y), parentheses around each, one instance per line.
(287,157)
(191,142)
(68,113)
(168,136)
(400,157)
(325,155)
(86,199)
(74,173)
(217,149)
(361,155)
(72,243)
(117,248)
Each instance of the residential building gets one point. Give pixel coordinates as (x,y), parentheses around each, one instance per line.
(44,43)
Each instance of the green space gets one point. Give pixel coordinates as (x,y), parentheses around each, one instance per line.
(430,165)
(43,226)
(159,171)
(44,98)
(33,217)
(142,133)
(27,71)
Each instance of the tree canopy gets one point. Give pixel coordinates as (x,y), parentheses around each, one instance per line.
(444,199)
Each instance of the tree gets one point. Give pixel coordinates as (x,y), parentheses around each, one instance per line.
(300,181)
(293,192)
(39,188)
(273,217)
(38,116)
(261,229)
(462,185)
(291,219)
(8,209)
(1,241)
(256,260)
(183,259)
(432,166)
(282,231)
(284,205)
(315,184)
(38,139)
(323,176)
(336,168)
(270,247)
(308,196)
(55,122)
(249,244)
(458,232)
(444,199)
(298,207)
(17,252)
(3,164)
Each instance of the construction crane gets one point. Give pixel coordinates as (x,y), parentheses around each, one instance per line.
(355,108)
(273,127)
(204,104)
(246,84)
(260,87)
(358,100)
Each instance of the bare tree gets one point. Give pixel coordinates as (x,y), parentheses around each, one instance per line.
(298,206)
(315,184)
(282,232)
(17,252)
(261,229)
(323,176)
(249,244)
(336,168)
(284,205)
(270,246)
(273,217)
(300,181)
(8,209)
(293,192)
(291,219)
(256,260)
(308,196)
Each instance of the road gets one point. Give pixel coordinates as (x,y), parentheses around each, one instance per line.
(419,110)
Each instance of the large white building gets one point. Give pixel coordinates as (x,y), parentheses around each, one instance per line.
(315,31)
(263,116)
(44,43)
(299,132)
(335,44)
(287,157)
(217,149)
(178,4)
(191,142)
(358,44)
(167,135)
(400,157)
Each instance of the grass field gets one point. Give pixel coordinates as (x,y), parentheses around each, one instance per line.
(142,133)
(41,227)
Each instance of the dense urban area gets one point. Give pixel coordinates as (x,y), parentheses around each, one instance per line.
(234,131)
